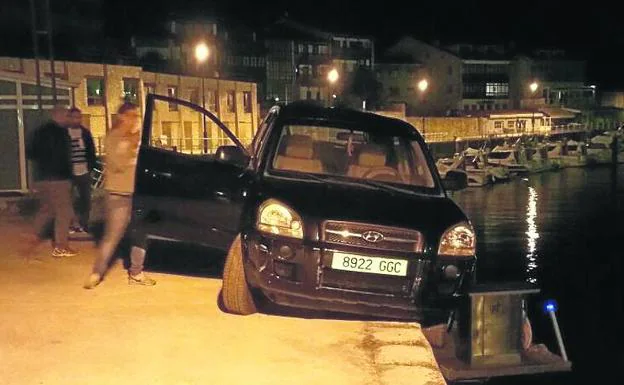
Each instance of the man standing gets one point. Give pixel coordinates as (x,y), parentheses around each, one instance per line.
(50,150)
(83,162)
(122,146)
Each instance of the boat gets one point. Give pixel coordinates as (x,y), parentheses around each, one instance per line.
(509,157)
(599,150)
(483,173)
(567,153)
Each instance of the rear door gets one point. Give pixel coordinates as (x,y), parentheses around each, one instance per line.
(183,193)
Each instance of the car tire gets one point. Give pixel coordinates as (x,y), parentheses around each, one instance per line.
(236,295)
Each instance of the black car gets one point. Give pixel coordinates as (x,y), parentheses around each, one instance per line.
(328,208)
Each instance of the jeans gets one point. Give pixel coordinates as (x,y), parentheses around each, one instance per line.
(83,185)
(55,200)
(118,214)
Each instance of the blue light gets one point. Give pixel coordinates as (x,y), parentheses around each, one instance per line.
(550,306)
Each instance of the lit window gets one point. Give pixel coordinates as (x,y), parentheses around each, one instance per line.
(95,91)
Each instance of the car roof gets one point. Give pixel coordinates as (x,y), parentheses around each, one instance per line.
(368,121)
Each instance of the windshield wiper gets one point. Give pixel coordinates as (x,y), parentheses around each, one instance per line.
(387,187)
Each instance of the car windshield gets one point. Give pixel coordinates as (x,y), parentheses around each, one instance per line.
(352,154)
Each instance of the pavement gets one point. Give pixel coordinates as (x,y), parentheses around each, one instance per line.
(52,331)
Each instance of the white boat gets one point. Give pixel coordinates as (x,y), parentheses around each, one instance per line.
(483,173)
(599,150)
(536,158)
(568,154)
(508,157)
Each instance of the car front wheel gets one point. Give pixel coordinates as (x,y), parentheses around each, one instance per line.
(237,298)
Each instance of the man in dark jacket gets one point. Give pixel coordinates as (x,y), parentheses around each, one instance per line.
(50,149)
(83,162)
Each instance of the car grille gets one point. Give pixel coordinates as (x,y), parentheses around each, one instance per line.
(372,236)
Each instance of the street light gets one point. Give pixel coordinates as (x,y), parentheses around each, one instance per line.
(422,86)
(533,87)
(332,77)
(202,52)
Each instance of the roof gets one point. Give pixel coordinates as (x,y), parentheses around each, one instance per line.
(560,113)
(361,119)
(502,114)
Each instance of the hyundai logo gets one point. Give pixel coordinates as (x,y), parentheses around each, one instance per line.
(373,236)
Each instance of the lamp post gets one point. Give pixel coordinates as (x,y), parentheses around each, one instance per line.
(533,87)
(202,52)
(422,87)
(332,77)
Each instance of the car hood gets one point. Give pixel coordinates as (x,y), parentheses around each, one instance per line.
(316,201)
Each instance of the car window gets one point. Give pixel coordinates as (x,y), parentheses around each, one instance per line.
(182,129)
(260,136)
(352,154)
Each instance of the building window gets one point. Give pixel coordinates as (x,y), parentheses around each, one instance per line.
(231,101)
(172,92)
(131,90)
(497,90)
(308,94)
(310,48)
(504,106)
(194,96)
(394,91)
(246,61)
(254,61)
(95,91)
(318,95)
(300,48)
(466,107)
(498,124)
(247,102)
(511,123)
(323,49)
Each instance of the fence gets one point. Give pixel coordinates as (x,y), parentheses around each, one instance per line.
(194,146)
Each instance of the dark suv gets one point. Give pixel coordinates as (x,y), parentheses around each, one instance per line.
(328,208)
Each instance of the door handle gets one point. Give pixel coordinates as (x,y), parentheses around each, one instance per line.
(162,174)
(222,195)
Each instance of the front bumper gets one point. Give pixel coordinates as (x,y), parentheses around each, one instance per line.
(298,274)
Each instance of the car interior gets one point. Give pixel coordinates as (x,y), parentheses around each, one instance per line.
(349,154)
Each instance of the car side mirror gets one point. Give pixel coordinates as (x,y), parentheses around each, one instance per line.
(232,155)
(455,180)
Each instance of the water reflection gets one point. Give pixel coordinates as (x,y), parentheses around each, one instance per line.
(532,236)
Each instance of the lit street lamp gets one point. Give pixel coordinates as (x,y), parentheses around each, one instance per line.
(202,52)
(533,87)
(332,77)
(422,87)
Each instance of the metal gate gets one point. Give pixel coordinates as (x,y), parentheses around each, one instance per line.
(19,117)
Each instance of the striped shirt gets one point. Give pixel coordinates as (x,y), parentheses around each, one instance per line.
(79,152)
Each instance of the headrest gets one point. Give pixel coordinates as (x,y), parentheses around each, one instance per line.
(299,146)
(372,156)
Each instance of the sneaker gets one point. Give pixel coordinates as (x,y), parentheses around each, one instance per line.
(93,280)
(59,252)
(140,279)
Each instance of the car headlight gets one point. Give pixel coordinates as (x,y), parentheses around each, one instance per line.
(458,241)
(275,217)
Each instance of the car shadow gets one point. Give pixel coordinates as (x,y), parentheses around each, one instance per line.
(196,261)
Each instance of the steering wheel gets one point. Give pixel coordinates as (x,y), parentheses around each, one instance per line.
(382,173)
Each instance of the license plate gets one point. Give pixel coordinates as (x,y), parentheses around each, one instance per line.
(366,264)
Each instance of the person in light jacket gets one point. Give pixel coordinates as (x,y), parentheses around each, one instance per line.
(122,146)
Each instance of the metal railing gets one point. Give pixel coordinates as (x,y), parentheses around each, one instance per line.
(193,146)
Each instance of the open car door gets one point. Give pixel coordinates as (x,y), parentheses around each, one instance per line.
(190,176)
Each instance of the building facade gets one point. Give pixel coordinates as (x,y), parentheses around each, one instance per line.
(99,89)
(300,57)
(464,78)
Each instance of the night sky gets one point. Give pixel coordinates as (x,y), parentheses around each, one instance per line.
(592,30)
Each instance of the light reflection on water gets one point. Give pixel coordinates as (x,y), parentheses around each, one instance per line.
(532,236)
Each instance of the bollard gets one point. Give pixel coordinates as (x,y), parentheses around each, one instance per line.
(550,307)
